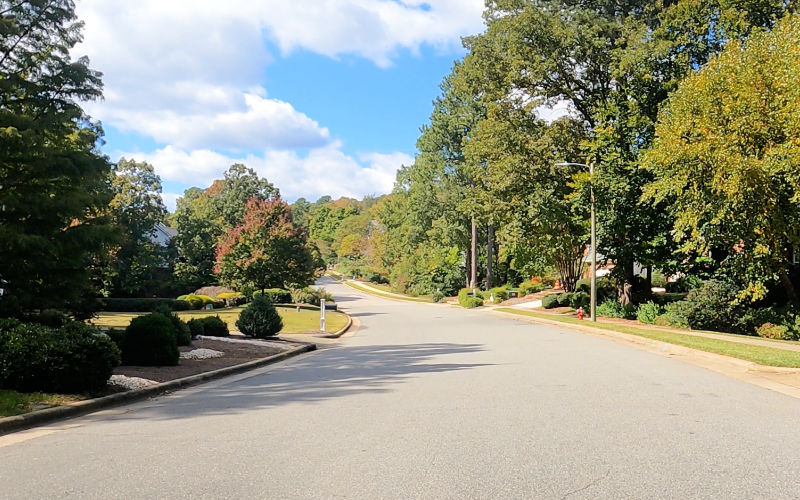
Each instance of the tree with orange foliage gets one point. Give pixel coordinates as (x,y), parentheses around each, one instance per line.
(266,251)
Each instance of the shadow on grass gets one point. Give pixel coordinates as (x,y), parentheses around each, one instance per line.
(327,374)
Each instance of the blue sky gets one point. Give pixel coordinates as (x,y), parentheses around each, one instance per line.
(319,96)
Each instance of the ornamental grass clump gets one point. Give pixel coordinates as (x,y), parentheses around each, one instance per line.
(260,319)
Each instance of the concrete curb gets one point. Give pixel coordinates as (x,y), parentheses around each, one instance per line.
(384,295)
(32,419)
(341,331)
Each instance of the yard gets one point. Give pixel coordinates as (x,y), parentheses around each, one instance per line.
(294,321)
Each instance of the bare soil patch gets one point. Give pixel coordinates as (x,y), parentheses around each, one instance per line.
(235,354)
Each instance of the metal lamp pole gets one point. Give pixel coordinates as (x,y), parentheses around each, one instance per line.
(593,244)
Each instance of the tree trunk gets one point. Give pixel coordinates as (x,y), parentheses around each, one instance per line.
(467,266)
(473,274)
(788,286)
(489,257)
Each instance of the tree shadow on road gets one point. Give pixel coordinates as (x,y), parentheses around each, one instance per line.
(327,374)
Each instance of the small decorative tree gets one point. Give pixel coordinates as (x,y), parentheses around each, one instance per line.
(260,319)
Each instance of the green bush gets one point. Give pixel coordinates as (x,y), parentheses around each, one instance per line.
(260,319)
(529,287)
(667,298)
(232,299)
(684,284)
(150,341)
(183,335)
(605,288)
(674,316)
(117,335)
(142,305)
(712,307)
(214,326)
(550,301)
(437,296)
(276,295)
(500,293)
(564,298)
(75,358)
(311,296)
(49,317)
(196,327)
(658,280)
(579,299)
(611,308)
(465,299)
(648,312)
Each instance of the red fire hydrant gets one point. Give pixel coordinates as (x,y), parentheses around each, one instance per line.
(580,313)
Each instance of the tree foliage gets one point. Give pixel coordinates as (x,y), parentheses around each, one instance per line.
(726,158)
(265,251)
(54,184)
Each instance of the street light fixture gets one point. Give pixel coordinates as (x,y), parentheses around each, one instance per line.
(590,166)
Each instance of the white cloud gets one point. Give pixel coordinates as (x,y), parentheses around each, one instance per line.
(323,171)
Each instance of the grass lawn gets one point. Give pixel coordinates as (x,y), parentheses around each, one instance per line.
(357,286)
(306,320)
(16,403)
(761,355)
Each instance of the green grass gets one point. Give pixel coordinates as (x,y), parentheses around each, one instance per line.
(761,355)
(306,320)
(16,403)
(388,295)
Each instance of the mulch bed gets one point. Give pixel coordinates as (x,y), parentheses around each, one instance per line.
(235,354)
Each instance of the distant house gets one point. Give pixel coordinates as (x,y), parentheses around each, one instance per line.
(163,234)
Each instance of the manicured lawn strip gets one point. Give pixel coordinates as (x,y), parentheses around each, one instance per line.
(306,320)
(16,403)
(387,295)
(761,355)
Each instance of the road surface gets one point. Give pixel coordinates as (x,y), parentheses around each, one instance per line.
(431,401)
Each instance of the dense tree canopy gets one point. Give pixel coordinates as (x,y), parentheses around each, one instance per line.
(54,183)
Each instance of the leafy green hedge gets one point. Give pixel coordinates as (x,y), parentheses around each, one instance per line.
(528,287)
(143,305)
(260,319)
(75,358)
(465,299)
(212,326)
(550,301)
(276,295)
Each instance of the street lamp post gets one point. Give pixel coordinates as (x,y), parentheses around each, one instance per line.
(593,243)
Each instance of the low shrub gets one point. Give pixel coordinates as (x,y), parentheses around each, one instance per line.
(564,299)
(49,317)
(683,284)
(196,327)
(183,335)
(658,280)
(648,312)
(276,295)
(579,299)
(465,299)
(259,319)
(373,277)
(142,305)
(437,296)
(150,341)
(550,301)
(214,326)
(667,298)
(770,331)
(713,306)
(499,294)
(309,295)
(611,308)
(232,299)
(605,288)
(117,335)
(674,316)
(200,301)
(75,358)
(529,287)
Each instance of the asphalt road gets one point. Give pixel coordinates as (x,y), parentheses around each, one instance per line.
(431,401)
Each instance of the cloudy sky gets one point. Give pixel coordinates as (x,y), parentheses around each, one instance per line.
(319,96)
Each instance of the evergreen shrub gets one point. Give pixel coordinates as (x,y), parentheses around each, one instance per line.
(260,319)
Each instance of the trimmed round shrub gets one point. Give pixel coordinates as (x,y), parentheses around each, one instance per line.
(214,326)
(75,358)
(183,336)
(550,301)
(260,319)
(196,326)
(150,341)
(648,312)
(564,298)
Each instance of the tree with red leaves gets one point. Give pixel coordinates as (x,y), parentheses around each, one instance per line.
(266,251)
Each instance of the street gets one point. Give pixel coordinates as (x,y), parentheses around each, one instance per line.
(430,401)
